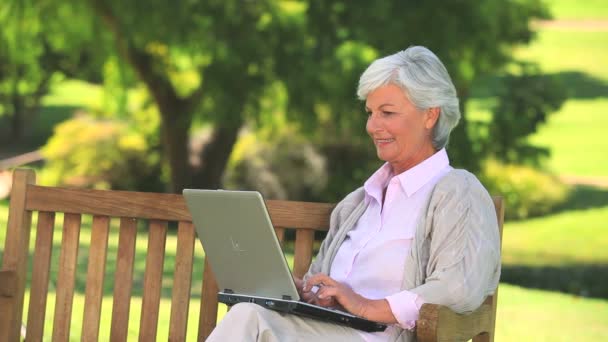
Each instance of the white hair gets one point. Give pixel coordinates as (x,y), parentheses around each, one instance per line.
(425,81)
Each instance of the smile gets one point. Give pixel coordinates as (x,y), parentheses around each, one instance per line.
(384,141)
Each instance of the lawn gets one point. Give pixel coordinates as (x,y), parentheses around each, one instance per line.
(518,307)
(534,315)
(577,10)
(567,238)
(562,49)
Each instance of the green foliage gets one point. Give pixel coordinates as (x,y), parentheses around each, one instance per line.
(348,166)
(39,43)
(527,192)
(213,61)
(523,105)
(102,154)
(287,167)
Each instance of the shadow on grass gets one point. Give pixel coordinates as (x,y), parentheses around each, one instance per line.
(579,85)
(585,197)
(582,280)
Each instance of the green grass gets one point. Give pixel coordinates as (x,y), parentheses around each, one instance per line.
(534,315)
(579,10)
(569,237)
(559,50)
(575,136)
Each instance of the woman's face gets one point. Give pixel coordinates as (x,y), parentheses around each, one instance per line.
(400,131)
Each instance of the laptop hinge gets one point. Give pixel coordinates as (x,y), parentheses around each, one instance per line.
(229,291)
(286,297)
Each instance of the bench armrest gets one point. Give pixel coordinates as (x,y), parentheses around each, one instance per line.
(8,283)
(439,323)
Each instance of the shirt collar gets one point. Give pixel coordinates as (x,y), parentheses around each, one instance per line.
(375,185)
(418,176)
(411,180)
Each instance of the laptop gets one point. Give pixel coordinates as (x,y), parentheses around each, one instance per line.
(238,237)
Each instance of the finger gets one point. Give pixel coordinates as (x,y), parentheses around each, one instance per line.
(314,280)
(327,292)
(320,279)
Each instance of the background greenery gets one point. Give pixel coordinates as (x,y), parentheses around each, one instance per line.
(554,266)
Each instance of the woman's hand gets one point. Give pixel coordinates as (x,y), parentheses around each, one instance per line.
(332,293)
(306,296)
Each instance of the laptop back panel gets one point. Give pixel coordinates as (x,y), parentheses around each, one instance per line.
(238,238)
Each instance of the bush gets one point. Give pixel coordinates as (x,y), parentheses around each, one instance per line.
(527,192)
(100,153)
(288,167)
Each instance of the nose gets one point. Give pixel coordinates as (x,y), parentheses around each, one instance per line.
(373,125)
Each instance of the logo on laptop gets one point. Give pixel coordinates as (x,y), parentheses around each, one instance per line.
(236,246)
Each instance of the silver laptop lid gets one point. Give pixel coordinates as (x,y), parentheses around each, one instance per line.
(238,237)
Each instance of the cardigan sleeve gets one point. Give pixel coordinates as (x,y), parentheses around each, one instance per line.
(464,247)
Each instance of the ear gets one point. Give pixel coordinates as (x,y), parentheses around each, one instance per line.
(432,117)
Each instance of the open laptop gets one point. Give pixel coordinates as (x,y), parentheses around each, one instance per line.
(238,237)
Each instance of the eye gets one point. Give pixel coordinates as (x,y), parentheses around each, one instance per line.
(387,113)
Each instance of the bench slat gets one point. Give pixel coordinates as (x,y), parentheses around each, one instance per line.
(303,251)
(153,280)
(123,279)
(208,310)
(182,282)
(280,234)
(95,278)
(168,207)
(40,276)
(68,258)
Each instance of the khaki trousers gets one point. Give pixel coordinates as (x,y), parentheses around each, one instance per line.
(251,322)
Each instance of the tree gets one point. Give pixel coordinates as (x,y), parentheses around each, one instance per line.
(316,49)
(38,43)
(523,104)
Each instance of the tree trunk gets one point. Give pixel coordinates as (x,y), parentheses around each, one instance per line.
(176,115)
(175,141)
(215,155)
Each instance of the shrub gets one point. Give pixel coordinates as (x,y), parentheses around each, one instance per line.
(288,167)
(100,153)
(527,192)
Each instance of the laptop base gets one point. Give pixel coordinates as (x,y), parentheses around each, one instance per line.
(306,310)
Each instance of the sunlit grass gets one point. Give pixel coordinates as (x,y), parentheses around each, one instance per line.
(579,10)
(570,237)
(560,50)
(576,138)
(534,315)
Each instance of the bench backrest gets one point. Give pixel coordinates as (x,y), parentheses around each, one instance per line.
(132,210)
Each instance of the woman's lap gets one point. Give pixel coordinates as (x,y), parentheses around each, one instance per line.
(251,322)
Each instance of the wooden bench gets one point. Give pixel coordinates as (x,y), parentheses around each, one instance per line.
(158,210)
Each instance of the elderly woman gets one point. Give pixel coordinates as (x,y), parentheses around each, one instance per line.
(418,231)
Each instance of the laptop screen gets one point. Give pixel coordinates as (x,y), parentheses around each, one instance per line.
(237,235)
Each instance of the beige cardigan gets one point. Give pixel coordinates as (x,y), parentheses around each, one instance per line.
(455,258)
